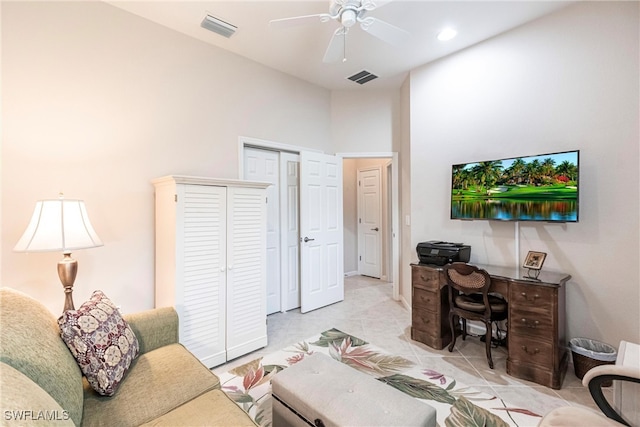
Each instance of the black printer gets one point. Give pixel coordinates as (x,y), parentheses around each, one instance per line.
(441,253)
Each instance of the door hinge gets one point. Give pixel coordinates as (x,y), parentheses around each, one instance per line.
(266,200)
(175,198)
(359,183)
(359,220)
(360,258)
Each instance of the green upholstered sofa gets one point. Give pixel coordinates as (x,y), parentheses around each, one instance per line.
(41,384)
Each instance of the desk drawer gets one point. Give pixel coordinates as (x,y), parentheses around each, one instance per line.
(529,323)
(427,321)
(534,297)
(526,350)
(438,341)
(425,277)
(423,299)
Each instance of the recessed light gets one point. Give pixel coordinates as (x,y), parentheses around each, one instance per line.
(447,34)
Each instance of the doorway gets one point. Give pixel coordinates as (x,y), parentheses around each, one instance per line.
(305,251)
(368,219)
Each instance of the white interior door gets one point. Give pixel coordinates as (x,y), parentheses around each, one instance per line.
(263,165)
(369,223)
(321,259)
(290,230)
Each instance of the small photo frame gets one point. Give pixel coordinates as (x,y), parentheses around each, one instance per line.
(534,260)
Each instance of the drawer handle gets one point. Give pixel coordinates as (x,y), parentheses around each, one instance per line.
(530,353)
(425,299)
(529,324)
(423,278)
(535,297)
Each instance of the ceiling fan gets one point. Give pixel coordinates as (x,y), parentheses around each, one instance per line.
(347,13)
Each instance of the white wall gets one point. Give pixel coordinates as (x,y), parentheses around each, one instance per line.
(567,81)
(364,121)
(96,103)
(350,214)
(403,147)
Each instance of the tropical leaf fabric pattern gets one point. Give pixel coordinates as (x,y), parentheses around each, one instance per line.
(456,405)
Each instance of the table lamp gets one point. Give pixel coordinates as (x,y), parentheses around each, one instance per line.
(60,225)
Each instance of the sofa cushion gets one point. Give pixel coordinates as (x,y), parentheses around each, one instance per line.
(200,412)
(24,403)
(158,382)
(101,341)
(30,342)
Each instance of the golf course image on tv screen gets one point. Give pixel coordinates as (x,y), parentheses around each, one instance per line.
(531,188)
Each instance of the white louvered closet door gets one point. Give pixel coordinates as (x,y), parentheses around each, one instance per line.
(202,312)
(211,263)
(246,271)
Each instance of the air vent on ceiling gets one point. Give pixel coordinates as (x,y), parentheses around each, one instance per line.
(362,77)
(218,26)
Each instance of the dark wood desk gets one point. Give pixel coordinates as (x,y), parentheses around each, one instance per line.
(536,324)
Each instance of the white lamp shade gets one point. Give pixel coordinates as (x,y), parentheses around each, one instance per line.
(58,225)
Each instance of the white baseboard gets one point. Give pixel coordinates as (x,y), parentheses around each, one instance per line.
(350,273)
(404,302)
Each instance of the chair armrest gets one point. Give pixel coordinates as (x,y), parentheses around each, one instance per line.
(618,370)
(154,328)
(600,374)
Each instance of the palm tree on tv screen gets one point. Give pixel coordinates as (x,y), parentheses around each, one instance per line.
(568,169)
(547,170)
(486,174)
(514,172)
(532,172)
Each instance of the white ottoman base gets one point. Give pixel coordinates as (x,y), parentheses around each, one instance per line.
(320,391)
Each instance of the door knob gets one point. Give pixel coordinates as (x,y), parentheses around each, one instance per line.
(375,229)
(306,239)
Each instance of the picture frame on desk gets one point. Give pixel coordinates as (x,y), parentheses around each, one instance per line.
(534,260)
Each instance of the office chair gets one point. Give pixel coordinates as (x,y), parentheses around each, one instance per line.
(569,416)
(469,299)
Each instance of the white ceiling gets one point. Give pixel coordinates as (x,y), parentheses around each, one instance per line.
(299,51)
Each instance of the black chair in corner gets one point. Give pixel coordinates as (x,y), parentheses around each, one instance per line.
(469,299)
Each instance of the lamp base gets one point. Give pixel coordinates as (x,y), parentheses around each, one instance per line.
(67,271)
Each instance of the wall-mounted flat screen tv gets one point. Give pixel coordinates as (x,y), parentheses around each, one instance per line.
(542,187)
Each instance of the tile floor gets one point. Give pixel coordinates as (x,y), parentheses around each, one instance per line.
(369,312)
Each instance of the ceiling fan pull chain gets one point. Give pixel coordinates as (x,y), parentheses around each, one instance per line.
(344,48)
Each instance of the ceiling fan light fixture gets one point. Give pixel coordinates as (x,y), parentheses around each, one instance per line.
(447,34)
(218,26)
(348,17)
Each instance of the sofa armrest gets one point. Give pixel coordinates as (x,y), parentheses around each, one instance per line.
(154,328)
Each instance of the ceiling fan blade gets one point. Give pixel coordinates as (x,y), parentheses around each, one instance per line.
(369,5)
(384,31)
(335,50)
(299,20)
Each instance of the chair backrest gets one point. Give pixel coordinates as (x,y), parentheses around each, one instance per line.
(467,279)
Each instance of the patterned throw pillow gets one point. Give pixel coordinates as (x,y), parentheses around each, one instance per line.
(101,341)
